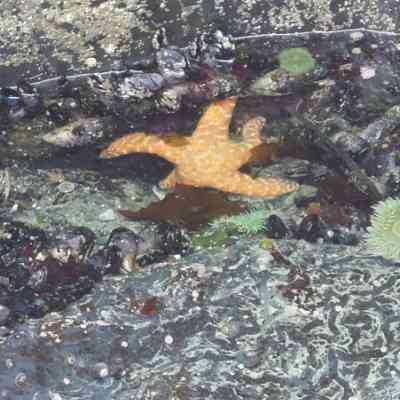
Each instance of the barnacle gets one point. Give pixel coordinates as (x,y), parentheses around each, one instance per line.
(5,184)
(383,237)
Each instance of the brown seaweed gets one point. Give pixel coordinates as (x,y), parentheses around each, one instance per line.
(189,207)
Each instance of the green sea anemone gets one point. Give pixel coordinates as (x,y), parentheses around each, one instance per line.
(249,222)
(296,60)
(383,237)
(220,230)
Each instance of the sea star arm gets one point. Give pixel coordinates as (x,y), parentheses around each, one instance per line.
(169,147)
(259,187)
(251,132)
(214,123)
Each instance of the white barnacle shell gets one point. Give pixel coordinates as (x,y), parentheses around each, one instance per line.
(383,237)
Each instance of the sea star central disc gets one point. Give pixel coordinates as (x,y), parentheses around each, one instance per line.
(208,158)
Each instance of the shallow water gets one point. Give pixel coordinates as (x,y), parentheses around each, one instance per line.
(174,297)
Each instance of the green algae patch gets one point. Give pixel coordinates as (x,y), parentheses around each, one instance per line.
(210,238)
(296,60)
(267,244)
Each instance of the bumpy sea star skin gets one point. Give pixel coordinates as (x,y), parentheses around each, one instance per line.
(208,158)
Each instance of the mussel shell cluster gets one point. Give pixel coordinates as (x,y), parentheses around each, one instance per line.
(42,271)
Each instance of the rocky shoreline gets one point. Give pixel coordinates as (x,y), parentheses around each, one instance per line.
(99,306)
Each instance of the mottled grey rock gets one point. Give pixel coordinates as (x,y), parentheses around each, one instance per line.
(41,36)
(325,326)
(4,313)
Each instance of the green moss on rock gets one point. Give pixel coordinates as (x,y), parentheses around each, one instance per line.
(296,60)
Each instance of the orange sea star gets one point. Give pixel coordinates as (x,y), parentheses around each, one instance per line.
(208,158)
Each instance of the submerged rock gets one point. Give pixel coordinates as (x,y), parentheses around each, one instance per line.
(269,317)
(237,303)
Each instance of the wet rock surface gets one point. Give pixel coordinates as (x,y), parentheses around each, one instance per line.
(94,305)
(51,37)
(42,272)
(321,325)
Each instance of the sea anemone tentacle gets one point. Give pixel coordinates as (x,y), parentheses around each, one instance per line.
(383,236)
